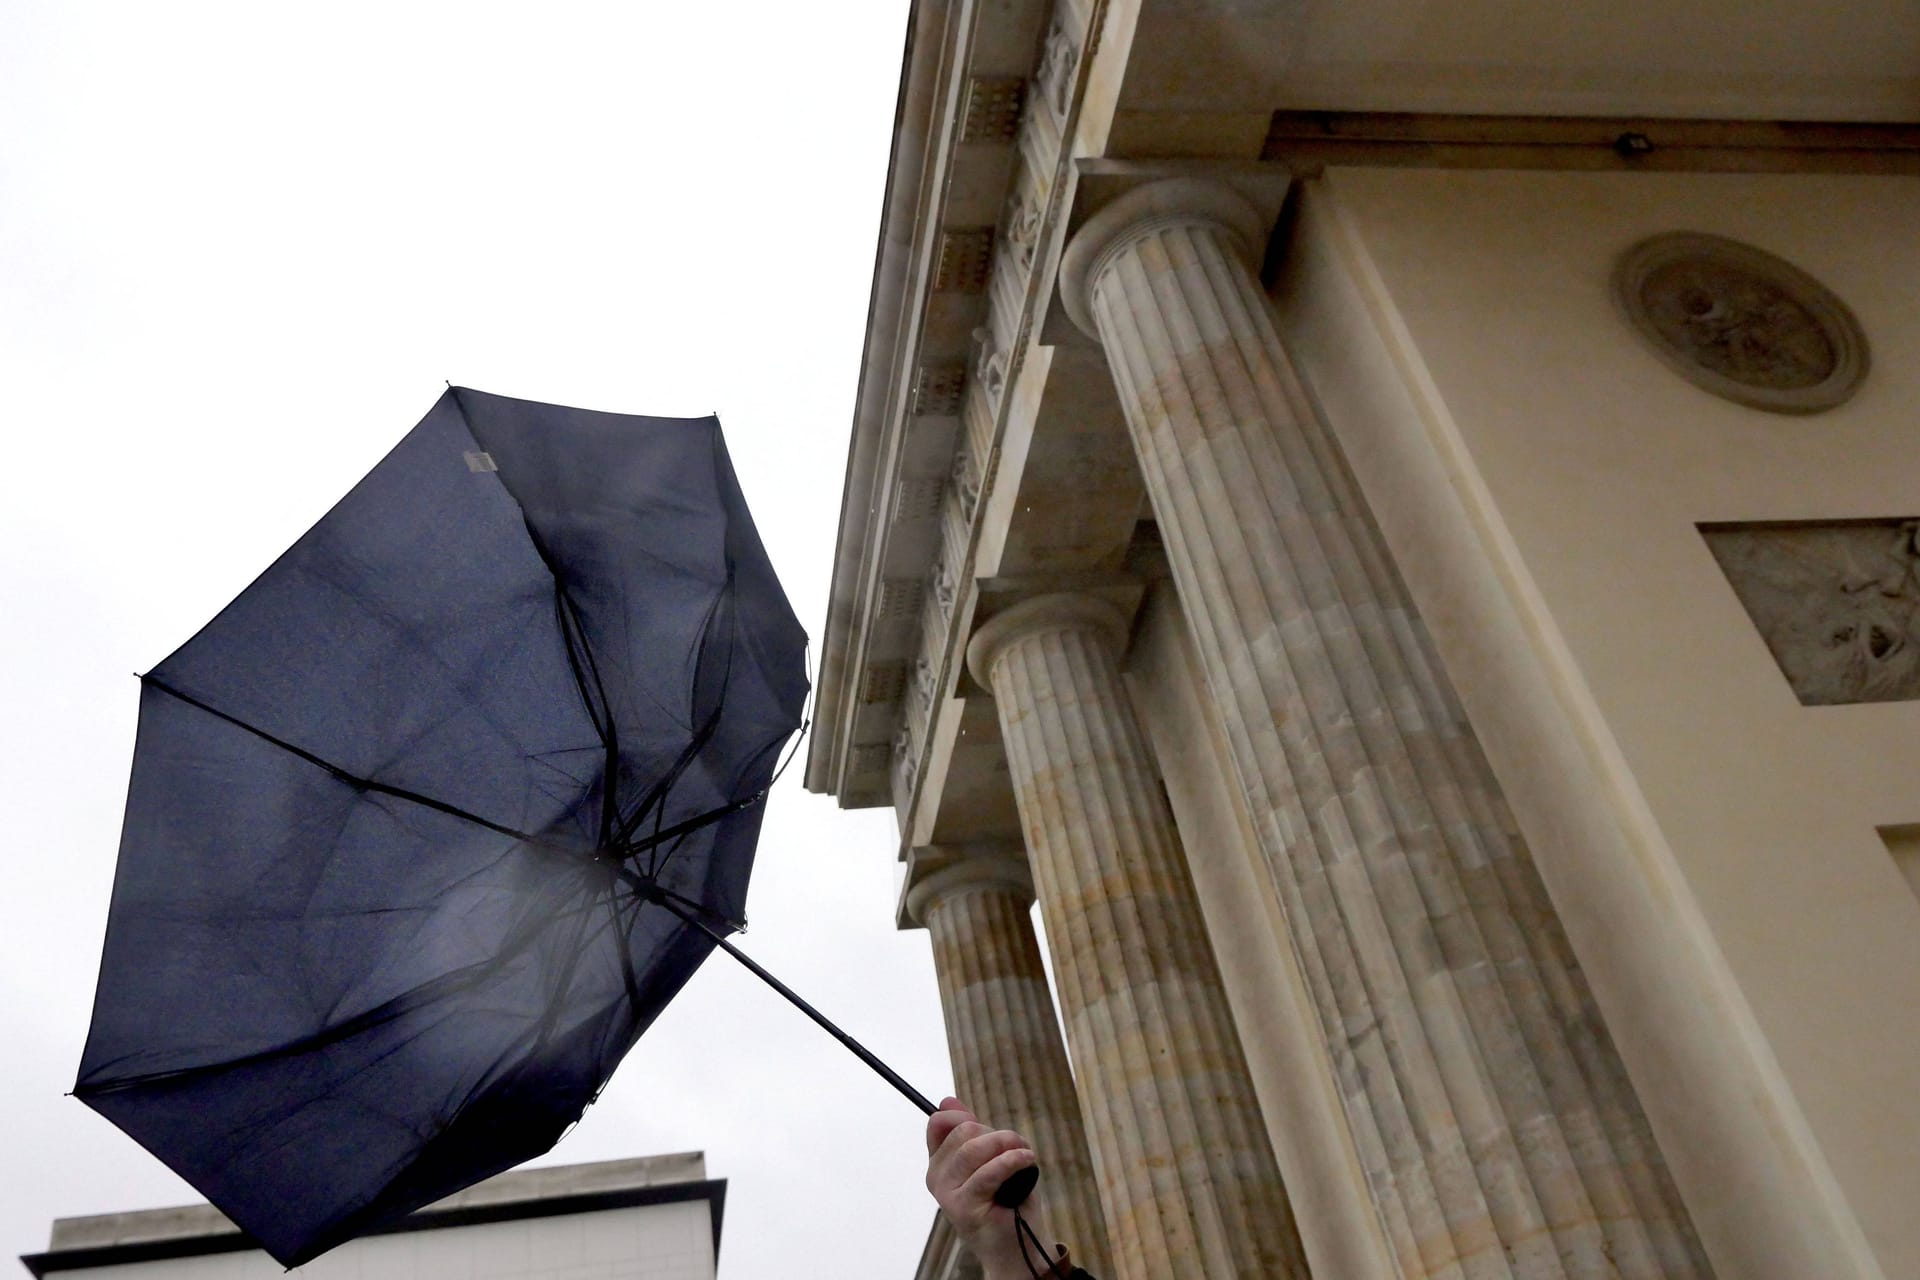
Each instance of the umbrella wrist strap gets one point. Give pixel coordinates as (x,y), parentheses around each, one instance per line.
(1055,1267)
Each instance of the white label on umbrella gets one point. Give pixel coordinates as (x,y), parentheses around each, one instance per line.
(480,461)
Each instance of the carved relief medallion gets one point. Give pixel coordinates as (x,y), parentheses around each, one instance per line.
(1838,604)
(1741,323)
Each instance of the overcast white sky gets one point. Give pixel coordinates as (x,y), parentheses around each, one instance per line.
(241,247)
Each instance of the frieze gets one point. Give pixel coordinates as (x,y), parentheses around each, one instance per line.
(925,678)
(1026,214)
(943,587)
(903,764)
(1000,261)
(1059,59)
(965,480)
(989,364)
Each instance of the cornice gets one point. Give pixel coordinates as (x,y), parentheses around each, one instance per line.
(964,274)
(925,66)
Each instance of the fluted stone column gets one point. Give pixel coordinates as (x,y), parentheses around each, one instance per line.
(1187,1180)
(1008,1060)
(1492,1115)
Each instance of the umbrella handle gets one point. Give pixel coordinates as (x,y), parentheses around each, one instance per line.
(1011,1194)
(1014,1191)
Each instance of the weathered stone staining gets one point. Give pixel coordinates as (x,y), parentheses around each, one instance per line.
(1741,323)
(1187,1181)
(1492,1116)
(1838,604)
(1009,1063)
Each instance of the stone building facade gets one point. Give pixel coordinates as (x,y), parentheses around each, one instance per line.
(1396,526)
(651,1218)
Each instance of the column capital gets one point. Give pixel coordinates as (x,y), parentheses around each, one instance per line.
(1170,202)
(1057,612)
(993,868)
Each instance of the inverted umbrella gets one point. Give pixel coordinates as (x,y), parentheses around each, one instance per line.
(429,824)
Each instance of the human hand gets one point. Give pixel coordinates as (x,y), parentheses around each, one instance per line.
(966,1163)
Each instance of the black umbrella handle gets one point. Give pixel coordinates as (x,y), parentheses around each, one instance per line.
(1014,1191)
(1011,1193)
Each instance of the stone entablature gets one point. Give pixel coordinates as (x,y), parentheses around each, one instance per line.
(937,387)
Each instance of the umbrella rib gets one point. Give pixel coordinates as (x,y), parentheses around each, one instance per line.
(380,1014)
(679,829)
(573,635)
(345,775)
(524,934)
(657,794)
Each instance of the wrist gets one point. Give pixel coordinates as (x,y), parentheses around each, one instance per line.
(997,1250)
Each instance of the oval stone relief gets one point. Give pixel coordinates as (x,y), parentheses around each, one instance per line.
(1741,323)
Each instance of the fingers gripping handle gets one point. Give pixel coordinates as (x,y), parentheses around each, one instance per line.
(1013,1193)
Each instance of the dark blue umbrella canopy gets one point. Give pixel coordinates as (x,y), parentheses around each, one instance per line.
(414,824)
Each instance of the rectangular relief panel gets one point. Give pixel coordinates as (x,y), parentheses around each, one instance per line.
(1837,602)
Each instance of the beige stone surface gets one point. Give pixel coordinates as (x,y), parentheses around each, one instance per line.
(1186,1178)
(1728,864)
(1712,842)
(1009,1064)
(1492,1115)
(1287,1062)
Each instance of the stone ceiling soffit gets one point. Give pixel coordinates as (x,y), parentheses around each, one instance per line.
(1727,58)
(977,801)
(1079,487)
(963,258)
(990,111)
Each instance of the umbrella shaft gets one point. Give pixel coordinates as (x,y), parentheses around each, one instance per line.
(859,1050)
